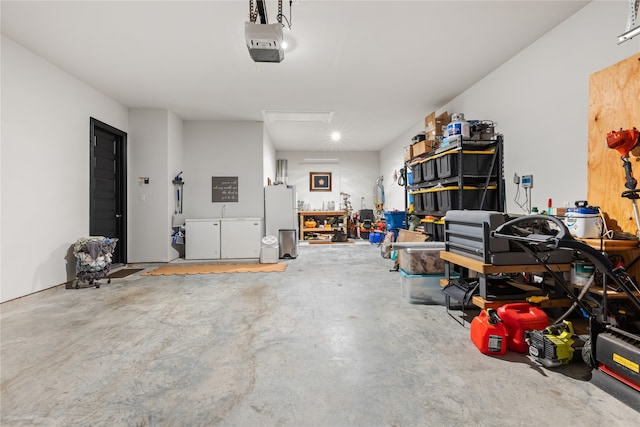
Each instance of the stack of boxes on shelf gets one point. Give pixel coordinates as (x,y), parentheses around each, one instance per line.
(434,128)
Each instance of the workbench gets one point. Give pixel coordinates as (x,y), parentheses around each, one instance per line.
(484,270)
(319,217)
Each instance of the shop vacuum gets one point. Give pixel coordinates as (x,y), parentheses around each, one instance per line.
(612,346)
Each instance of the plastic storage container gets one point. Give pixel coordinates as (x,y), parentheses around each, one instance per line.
(448,198)
(434,227)
(458,126)
(583,223)
(269,250)
(520,317)
(474,163)
(376,236)
(429,201)
(581,272)
(424,259)
(429,170)
(418,203)
(422,288)
(488,337)
(394,219)
(416,172)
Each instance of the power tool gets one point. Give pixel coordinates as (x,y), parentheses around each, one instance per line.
(624,141)
(552,346)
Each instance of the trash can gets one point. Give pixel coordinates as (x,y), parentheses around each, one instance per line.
(269,251)
(288,243)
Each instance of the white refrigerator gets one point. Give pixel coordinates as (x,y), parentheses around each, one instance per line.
(281,213)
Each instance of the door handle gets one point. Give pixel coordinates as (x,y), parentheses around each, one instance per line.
(118,216)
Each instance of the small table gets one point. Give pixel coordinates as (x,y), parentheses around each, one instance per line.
(485,269)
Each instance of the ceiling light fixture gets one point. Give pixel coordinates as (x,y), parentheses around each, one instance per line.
(335,136)
(265,41)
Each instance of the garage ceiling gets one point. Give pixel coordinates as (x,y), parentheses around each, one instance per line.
(376,67)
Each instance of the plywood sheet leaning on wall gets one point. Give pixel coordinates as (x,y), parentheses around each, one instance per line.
(614,103)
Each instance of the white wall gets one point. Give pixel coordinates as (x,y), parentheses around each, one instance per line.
(268,159)
(155,148)
(540,99)
(217,148)
(175,166)
(355,173)
(45,168)
(392,159)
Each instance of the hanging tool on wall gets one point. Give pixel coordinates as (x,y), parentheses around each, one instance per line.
(624,141)
(178,218)
(378,196)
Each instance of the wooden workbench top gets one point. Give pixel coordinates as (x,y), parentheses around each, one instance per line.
(480,267)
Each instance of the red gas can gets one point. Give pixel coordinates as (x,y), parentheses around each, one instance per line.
(488,333)
(520,317)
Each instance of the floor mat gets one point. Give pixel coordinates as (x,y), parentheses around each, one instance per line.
(217,268)
(124,273)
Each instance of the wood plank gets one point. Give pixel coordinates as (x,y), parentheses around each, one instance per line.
(480,267)
(328,242)
(611,245)
(482,303)
(614,103)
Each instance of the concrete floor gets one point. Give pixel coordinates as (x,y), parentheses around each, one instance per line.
(329,342)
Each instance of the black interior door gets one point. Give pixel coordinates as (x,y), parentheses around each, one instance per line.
(108,195)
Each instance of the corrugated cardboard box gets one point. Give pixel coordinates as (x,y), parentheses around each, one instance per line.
(407,153)
(410,236)
(418,149)
(434,125)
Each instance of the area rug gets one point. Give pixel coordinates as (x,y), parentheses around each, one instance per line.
(216,268)
(124,273)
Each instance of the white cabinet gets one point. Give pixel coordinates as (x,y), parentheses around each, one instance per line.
(240,237)
(202,239)
(226,238)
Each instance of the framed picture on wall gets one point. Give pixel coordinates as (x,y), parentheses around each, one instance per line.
(319,181)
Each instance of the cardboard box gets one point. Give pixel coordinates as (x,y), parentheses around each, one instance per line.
(407,153)
(434,126)
(419,148)
(411,236)
(430,124)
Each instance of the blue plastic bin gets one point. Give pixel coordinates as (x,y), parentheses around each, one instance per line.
(395,220)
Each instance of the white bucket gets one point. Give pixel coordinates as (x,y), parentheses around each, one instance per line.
(583,226)
(581,272)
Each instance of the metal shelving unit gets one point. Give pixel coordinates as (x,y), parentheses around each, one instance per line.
(466,175)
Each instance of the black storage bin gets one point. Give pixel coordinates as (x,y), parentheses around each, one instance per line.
(417,202)
(416,171)
(490,199)
(429,201)
(472,164)
(447,199)
(429,170)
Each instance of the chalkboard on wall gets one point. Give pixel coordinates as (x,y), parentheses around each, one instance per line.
(224,189)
